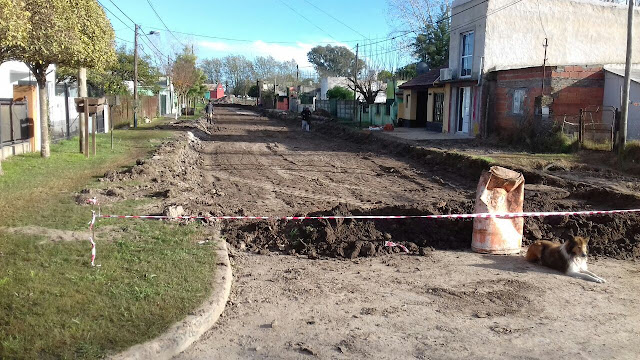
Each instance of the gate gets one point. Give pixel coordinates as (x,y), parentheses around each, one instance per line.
(597,128)
(15,126)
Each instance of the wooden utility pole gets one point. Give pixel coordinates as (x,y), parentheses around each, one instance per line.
(544,63)
(86,127)
(622,135)
(82,92)
(355,86)
(135,78)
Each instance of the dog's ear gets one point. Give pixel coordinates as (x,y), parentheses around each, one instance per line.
(581,240)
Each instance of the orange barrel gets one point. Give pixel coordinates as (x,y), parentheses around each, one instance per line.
(499,190)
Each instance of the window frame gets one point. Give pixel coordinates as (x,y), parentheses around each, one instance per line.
(406,101)
(523,92)
(462,53)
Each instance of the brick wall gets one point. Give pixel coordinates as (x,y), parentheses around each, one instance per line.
(571,87)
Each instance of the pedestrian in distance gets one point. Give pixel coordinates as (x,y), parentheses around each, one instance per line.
(306,119)
(209,110)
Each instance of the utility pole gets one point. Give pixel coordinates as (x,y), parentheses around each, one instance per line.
(82,92)
(544,64)
(135,78)
(622,135)
(355,87)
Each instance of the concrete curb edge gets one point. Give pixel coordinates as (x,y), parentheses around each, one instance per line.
(185,332)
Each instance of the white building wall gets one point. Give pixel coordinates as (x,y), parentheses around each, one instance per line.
(465,21)
(328,83)
(613,97)
(580,32)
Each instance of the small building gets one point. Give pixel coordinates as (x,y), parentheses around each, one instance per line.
(613,84)
(216,91)
(167,102)
(425,102)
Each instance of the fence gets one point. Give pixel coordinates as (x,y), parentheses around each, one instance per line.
(121,108)
(597,127)
(15,126)
(63,117)
(342,109)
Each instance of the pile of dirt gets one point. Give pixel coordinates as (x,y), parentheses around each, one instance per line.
(349,239)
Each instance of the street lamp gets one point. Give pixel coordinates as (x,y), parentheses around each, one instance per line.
(135,74)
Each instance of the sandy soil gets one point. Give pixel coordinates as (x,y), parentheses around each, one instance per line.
(330,290)
(448,305)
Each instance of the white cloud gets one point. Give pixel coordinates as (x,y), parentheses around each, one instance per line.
(215,45)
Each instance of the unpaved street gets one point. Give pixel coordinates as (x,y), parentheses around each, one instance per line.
(444,304)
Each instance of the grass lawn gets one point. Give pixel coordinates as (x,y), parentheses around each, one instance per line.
(53,304)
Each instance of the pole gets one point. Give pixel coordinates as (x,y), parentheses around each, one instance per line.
(355,82)
(135,78)
(82,92)
(110,124)
(86,127)
(544,64)
(94,129)
(622,141)
(66,109)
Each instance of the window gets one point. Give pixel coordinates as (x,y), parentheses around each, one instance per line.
(518,101)
(438,108)
(466,59)
(388,110)
(406,102)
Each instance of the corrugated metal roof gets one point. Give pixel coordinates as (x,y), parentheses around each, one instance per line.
(635,72)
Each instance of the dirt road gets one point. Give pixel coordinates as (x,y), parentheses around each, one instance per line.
(331,290)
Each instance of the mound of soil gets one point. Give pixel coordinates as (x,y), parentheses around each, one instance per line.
(349,239)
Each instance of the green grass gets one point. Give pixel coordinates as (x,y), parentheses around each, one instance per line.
(53,304)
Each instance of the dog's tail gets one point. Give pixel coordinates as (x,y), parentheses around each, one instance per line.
(534,253)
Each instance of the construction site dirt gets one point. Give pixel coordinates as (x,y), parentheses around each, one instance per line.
(331,289)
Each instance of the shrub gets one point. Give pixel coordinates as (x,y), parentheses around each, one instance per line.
(340,93)
(631,152)
(543,137)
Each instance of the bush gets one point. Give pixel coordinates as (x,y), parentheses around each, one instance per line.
(340,93)
(536,136)
(631,152)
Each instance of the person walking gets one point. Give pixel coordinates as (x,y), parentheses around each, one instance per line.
(209,110)
(306,119)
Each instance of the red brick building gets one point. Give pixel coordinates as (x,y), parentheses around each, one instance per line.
(568,89)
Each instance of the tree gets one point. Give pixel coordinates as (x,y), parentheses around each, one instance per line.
(368,88)
(407,72)
(74,33)
(340,93)
(334,60)
(14,26)
(111,81)
(185,74)
(432,44)
(385,75)
(265,67)
(253,91)
(238,71)
(213,69)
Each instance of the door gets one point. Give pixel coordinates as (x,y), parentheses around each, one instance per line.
(464,110)
(163,105)
(421,109)
(438,112)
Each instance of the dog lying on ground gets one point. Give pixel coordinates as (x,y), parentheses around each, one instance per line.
(569,258)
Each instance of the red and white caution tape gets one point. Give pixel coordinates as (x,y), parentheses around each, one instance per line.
(92,223)
(381,217)
(392,244)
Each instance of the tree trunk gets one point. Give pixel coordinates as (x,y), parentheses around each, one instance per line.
(40,74)
(1,173)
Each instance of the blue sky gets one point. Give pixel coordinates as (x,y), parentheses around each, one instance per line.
(263,22)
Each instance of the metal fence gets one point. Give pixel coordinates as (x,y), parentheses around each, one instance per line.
(342,109)
(15,125)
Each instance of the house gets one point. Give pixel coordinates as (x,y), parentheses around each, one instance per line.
(613,82)
(425,102)
(215,91)
(329,82)
(18,84)
(510,62)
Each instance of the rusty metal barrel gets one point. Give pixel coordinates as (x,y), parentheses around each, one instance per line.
(499,190)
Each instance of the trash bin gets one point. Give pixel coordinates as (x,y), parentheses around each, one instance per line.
(500,190)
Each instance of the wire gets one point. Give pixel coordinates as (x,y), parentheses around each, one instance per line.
(116,16)
(304,17)
(165,25)
(461,11)
(121,39)
(127,16)
(336,19)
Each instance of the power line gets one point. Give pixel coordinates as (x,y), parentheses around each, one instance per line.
(461,11)
(165,25)
(304,17)
(336,19)
(116,16)
(123,13)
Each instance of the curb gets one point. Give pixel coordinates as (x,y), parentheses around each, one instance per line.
(184,333)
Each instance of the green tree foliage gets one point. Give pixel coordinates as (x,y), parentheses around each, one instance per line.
(407,72)
(253,91)
(334,60)
(340,93)
(74,33)
(385,75)
(185,74)
(432,44)
(14,26)
(111,81)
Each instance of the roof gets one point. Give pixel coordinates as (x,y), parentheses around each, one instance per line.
(635,72)
(425,80)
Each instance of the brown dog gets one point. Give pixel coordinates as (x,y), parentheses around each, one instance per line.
(569,258)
